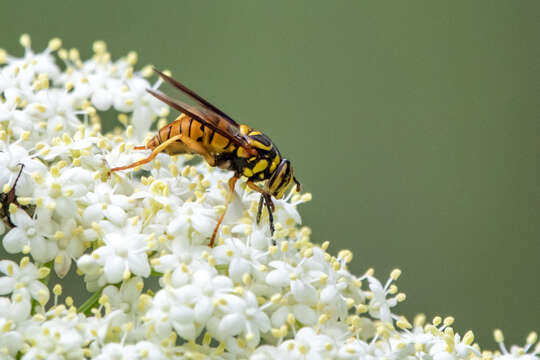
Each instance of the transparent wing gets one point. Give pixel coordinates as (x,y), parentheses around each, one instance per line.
(209,119)
(196,97)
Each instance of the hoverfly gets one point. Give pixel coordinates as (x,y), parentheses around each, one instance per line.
(207,131)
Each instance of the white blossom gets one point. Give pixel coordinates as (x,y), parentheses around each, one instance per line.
(139,243)
(25,277)
(123,253)
(28,235)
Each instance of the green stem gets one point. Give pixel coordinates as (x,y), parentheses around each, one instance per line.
(90,303)
(156,273)
(222,267)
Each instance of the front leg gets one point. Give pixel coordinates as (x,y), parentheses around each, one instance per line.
(267,199)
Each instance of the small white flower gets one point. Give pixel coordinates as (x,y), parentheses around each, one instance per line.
(58,336)
(23,278)
(122,254)
(192,215)
(127,296)
(17,308)
(286,274)
(11,340)
(242,315)
(207,288)
(302,312)
(168,312)
(379,305)
(27,235)
(307,344)
(11,158)
(104,203)
(241,259)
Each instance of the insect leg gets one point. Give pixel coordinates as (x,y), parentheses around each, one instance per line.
(11,194)
(270,207)
(259,209)
(268,202)
(198,148)
(11,198)
(154,153)
(232,183)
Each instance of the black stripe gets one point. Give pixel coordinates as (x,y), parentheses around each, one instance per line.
(159,136)
(169,134)
(229,143)
(211,137)
(190,122)
(262,139)
(199,139)
(285,175)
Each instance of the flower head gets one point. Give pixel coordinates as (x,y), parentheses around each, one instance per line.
(139,242)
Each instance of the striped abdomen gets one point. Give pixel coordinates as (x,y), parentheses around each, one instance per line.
(212,141)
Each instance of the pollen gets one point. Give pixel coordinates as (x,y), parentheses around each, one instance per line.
(468,338)
(395,274)
(99,46)
(448,321)
(132,57)
(40,108)
(147,71)
(54,44)
(74,55)
(498,336)
(25,41)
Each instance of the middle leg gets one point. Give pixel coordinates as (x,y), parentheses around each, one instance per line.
(232,183)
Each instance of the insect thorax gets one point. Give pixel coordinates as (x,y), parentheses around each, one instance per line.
(258,167)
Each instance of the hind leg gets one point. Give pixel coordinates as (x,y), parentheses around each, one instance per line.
(150,157)
(193,145)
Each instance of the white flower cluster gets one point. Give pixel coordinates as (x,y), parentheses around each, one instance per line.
(252,296)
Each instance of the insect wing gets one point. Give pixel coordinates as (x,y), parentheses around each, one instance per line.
(208,118)
(196,97)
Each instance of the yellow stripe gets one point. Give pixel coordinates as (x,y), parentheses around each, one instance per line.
(248,172)
(275,163)
(260,145)
(260,166)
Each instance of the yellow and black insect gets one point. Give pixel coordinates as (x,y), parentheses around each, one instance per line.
(222,142)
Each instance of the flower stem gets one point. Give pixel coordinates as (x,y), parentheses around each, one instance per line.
(89,304)
(156,273)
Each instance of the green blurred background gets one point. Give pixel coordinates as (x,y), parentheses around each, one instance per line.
(415,124)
